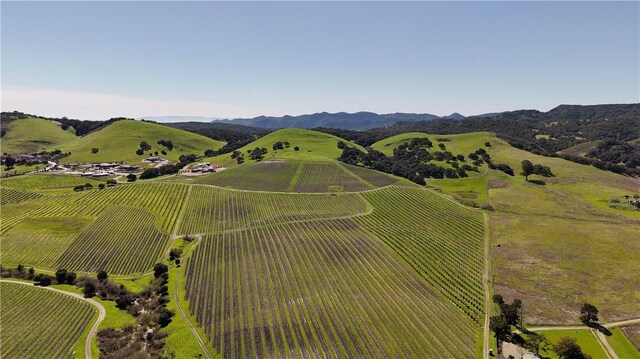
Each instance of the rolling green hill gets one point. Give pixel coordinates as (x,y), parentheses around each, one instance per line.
(464,143)
(120,140)
(314,147)
(34,134)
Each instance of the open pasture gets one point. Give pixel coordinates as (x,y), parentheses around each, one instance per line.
(318,289)
(211,210)
(441,240)
(39,323)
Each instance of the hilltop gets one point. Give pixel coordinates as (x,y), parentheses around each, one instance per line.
(120,140)
(313,146)
(34,135)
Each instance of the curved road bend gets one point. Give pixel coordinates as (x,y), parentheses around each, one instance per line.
(94,329)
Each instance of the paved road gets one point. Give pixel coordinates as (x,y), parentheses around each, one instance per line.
(94,329)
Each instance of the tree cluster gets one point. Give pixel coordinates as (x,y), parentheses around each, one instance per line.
(62,276)
(87,186)
(257,154)
(167,144)
(568,348)
(510,314)
(145,338)
(412,161)
(281,145)
(565,125)
(528,169)
(589,314)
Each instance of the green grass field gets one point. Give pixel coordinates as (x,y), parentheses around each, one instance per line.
(47,182)
(464,143)
(622,345)
(120,140)
(34,135)
(552,239)
(586,340)
(38,323)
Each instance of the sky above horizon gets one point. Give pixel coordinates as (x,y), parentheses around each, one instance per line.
(97,60)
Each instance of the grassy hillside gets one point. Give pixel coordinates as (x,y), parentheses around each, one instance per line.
(120,140)
(560,262)
(464,143)
(551,236)
(33,135)
(313,146)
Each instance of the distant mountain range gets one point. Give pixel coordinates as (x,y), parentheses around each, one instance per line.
(342,120)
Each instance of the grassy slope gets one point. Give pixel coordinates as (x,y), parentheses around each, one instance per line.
(561,245)
(473,188)
(120,140)
(314,147)
(464,143)
(550,265)
(33,134)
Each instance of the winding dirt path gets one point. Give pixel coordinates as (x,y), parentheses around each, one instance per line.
(94,329)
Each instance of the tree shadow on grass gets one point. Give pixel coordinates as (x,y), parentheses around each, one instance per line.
(538,182)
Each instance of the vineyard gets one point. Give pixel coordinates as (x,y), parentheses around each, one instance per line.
(9,195)
(441,240)
(328,177)
(276,274)
(377,179)
(316,289)
(129,232)
(38,323)
(211,210)
(265,176)
(298,177)
(122,240)
(50,235)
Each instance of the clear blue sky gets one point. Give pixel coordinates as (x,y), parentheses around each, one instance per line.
(95,60)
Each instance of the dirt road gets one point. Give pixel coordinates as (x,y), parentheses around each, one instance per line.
(94,329)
